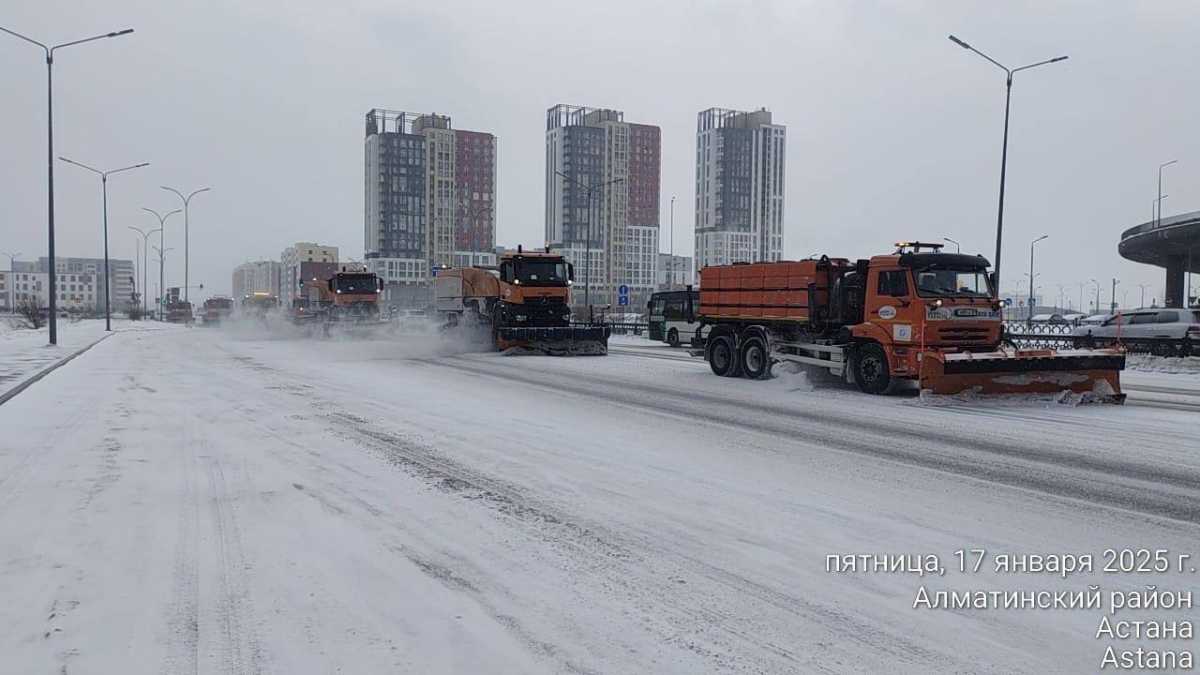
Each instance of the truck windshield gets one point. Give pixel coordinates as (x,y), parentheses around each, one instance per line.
(542,272)
(936,282)
(356,283)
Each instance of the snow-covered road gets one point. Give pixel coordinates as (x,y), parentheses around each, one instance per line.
(204,501)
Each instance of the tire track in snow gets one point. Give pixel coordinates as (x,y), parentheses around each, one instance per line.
(649,581)
(237,642)
(183,622)
(674,617)
(1127,485)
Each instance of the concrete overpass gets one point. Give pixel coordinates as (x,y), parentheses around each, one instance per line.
(1173,244)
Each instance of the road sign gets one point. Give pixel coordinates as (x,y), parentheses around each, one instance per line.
(623,300)
(1008,302)
(622,290)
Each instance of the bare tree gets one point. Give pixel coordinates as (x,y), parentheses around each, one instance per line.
(30,313)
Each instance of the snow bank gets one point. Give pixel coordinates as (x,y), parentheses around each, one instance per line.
(1189,365)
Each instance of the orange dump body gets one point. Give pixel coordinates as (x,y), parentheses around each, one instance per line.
(773,290)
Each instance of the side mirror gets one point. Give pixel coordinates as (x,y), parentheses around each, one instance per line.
(571,271)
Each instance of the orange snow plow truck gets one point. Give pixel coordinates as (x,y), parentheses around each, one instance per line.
(525,302)
(916,316)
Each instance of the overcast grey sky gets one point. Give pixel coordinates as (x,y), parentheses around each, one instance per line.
(893,131)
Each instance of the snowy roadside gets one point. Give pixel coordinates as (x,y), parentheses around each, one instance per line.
(1175,365)
(24,352)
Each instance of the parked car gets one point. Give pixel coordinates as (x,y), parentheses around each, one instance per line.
(1074,319)
(1149,323)
(1095,320)
(1048,318)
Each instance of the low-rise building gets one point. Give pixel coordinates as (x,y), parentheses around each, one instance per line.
(291,259)
(260,276)
(674,272)
(79,283)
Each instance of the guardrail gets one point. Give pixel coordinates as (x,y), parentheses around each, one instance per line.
(1059,336)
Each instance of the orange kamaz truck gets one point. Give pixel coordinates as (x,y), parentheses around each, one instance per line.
(916,316)
(525,301)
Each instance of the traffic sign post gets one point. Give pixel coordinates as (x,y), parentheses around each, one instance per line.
(623,295)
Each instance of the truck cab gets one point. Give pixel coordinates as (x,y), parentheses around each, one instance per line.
(535,289)
(917,299)
(355,294)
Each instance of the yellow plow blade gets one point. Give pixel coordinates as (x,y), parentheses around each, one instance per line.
(1095,372)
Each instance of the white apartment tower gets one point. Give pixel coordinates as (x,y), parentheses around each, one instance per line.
(602,201)
(740,159)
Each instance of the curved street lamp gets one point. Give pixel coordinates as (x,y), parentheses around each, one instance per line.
(186,201)
(1009,72)
(52,270)
(1031,272)
(145,259)
(162,226)
(104,190)
(591,189)
(12,287)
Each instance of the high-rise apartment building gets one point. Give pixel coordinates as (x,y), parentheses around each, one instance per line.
(602,201)
(430,196)
(291,264)
(740,159)
(259,276)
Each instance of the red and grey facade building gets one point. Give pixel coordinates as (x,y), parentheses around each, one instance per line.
(430,197)
(613,237)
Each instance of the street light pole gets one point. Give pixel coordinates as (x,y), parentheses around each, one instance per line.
(12,288)
(957,246)
(1161,196)
(52,268)
(162,290)
(186,201)
(1031,272)
(1097,295)
(672,267)
(104,190)
(137,274)
(1009,72)
(591,191)
(471,216)
(162,227)
(145,261)
(1113,295)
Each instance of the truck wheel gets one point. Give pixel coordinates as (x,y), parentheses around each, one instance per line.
(756,359)
(721,356)
(673,337)
(871,369)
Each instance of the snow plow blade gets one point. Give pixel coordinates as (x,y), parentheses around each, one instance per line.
(356,328)
(1095,373)
(557,340)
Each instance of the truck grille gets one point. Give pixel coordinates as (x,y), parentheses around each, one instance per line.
(963,334)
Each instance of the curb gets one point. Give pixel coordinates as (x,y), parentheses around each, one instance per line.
(8,395)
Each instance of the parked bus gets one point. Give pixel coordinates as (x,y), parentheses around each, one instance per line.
(668,316)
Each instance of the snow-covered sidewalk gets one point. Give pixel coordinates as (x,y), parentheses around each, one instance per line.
(26,352)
